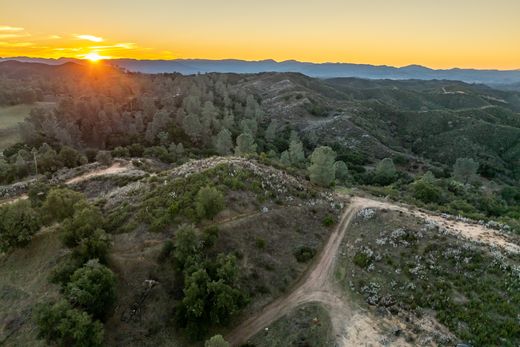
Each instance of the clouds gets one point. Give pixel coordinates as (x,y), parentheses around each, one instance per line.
(19,41)
(90,38)
(10,28)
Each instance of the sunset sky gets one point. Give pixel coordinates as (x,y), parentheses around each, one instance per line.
(434,33)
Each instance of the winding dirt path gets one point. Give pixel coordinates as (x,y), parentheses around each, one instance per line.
(115,168)
(318,285)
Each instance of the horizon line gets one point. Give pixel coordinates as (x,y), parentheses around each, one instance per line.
(276,61)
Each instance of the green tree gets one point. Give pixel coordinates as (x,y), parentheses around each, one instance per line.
(386,172)
(63,325)
(296,153)
(92,287)
(341,171)
(187,246)
(271,132)
(245,144)
(59,204)
(192,127)
(285,158)
(216,341)
(465,169)
(85,220)
(224,142)
(18,223)
(70,157)
(321,170)
(208,202)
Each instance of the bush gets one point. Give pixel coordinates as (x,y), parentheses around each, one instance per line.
(362,260)
(208,202)
(426,192)
(84,222)
(18,223)
(104,157)
(70,157)
(304,254)
(121,152)
(38,193)
(63,325)
(328,221)
(59,204)
(92,287)
(216,341)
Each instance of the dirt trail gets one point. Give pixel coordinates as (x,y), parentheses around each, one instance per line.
(317,285)
(113,169)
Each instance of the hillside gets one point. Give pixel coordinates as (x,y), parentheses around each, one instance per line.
(269,209)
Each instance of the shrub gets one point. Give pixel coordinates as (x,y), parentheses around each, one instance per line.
(92,287)
(260,243)
(303,254)
(70,157)
(120,152)
(59,204)
(426,192)
(104,157)
(18,223)
(362,260)
(328,221)
(84,222)
(216,341)
(38,193)
(208,202)
(64,325)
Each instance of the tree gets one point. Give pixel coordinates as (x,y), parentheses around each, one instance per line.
(341,171)
(285,158)
(245,144)
(192,127)
(216,341)
(425,189)
(85,220)
(70,157)
(321,170)
(18,223)
(465,169)
(59,204)
(187,246)
(92,287)
(104,157)
(208,202)
(64,325)
(223,142)
(271,131)
(296,153)
(386,172)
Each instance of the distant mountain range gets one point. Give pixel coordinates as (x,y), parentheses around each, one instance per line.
(320,70)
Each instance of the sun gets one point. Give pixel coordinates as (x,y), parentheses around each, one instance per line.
(93,57)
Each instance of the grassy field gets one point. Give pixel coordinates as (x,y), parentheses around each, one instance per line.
(10,116)
(308,325)
(23,283)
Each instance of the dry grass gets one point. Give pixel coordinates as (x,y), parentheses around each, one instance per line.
(23,283)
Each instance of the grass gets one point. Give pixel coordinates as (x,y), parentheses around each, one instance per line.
(10,116)
(308,325)
(23,283)
(407,266)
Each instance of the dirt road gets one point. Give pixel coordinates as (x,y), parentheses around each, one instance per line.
(317,285)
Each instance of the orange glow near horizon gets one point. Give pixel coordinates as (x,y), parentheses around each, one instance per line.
(439,34)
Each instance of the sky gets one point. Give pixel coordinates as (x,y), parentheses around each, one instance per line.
(434,33)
